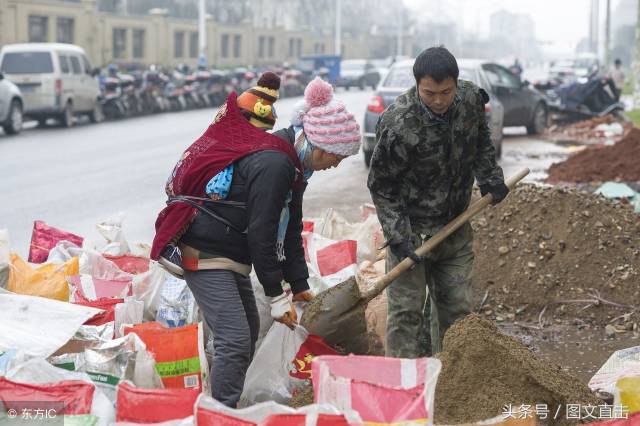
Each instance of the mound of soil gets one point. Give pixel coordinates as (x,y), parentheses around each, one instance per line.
(484,370)
(558,254)
(619,162)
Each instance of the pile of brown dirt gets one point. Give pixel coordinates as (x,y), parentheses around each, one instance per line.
(617,162)
(584,131)
(572,254)
(484,370)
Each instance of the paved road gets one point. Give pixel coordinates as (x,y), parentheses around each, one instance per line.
(73,178)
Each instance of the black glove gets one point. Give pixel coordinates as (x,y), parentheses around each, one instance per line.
(498,191)
(405,249)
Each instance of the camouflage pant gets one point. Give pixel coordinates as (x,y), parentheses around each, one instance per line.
(417,318)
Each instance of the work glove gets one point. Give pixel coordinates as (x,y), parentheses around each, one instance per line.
(498,191)
(282,311)
(405,249)
(304,296)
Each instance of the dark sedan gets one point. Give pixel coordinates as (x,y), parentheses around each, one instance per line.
(400,79)
(523,105)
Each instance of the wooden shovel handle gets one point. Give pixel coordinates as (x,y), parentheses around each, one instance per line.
(383,282)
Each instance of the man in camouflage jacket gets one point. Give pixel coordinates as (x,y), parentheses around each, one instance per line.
(431,144)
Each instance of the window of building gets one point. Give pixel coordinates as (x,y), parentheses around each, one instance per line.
(64,30)
(38,29)
(261,47)
(138,43)
(224,42)
(64,64)
(193,45)
(178,44)
(292,43)
(119,36)
(75,65)
(299,47)
(272,46)
(237,46)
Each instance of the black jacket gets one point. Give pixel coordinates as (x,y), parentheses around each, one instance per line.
(261,180)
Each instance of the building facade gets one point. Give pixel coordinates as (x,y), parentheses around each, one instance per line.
(157,38)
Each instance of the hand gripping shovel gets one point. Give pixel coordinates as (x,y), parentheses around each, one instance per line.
(338,314)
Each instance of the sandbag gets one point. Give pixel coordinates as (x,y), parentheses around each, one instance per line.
(39,326)
(45,237)
(177,305)
(622,363)
(329,262)
(39,371)
(73,396)
(87,288)
(48,280)
(139,405)
(112,362)
(129,263)
(384,391)
(179,353)
(147,287)
(282,364)
(107,306)
(210,412)
(130,312)
(627,394)
(111,230)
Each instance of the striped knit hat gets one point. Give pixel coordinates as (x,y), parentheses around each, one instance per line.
(327,123)
(257,103)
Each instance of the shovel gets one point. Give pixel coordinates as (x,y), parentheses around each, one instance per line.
(338,314)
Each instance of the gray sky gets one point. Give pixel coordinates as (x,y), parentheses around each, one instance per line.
(560,22)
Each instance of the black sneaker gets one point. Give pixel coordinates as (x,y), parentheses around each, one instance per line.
(171,260)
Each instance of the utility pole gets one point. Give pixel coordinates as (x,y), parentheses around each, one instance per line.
(338,38)
(607,35)
(594,26)
(399,46)
(636,62)
(202,34)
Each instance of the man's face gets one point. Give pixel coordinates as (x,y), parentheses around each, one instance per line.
(438,96)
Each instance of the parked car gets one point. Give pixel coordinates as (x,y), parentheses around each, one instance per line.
(523,104)
(56,81)
(400,79)
(358,73)
(11,107)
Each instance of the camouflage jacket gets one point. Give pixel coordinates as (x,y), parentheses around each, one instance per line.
(423,165)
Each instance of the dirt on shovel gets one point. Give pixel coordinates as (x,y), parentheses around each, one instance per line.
(338,315)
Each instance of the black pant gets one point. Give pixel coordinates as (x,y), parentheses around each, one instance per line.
(228,305)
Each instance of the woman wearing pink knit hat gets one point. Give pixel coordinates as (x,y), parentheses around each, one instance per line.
(249,214)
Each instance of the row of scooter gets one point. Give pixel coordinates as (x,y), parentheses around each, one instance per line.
(155,90)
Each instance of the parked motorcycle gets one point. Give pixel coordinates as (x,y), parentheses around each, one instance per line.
(584,99)
(111,99)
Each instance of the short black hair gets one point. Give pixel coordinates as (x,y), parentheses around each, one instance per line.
(618,61)
(436,62)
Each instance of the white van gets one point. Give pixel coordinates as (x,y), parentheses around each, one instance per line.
(56,81)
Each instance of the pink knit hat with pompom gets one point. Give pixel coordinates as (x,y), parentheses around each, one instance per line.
(327,123)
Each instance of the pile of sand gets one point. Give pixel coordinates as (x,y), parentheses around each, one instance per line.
(484,370)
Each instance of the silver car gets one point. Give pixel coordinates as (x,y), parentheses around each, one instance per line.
(11,107)
(400,79)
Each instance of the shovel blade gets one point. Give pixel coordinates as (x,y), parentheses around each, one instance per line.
(338,316)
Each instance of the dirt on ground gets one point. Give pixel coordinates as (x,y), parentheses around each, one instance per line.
(558,255)
(587,131)
(619,162)
(484,371)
